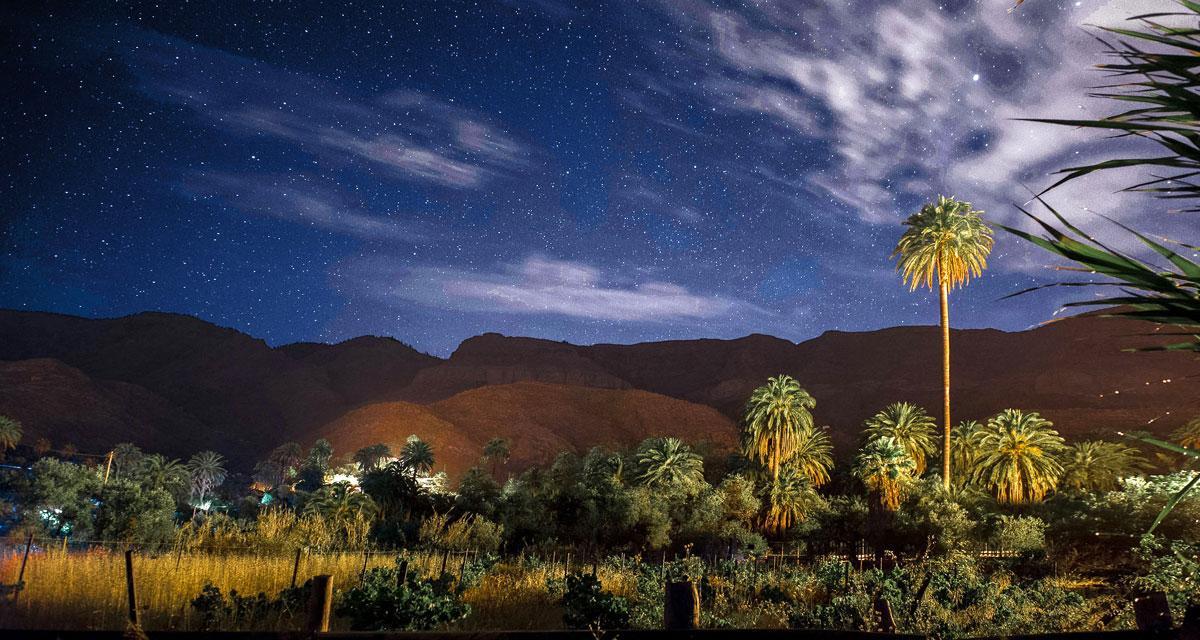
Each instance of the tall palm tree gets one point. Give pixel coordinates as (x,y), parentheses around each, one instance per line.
(287,457)
(668,463)
(909,426)
(417,456)
(886,469)
(207,472)
(788,500)
(1099,465)
(1189,434)
(10,434)
(320,454)
(776,418)
(1018,458)
(964,449)
(946,244)
(497,452)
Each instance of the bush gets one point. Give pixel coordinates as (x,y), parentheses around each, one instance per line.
(236,611)
(588,606)
(1020,533)
(383,601)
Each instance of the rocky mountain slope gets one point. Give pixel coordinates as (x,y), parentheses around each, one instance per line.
(177,383)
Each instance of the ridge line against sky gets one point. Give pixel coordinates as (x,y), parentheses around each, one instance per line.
(576,171)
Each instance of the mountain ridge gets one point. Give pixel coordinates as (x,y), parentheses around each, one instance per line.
(239,395)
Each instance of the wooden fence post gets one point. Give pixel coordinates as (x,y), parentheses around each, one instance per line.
(131,588)
(21,576)
(883,608)
(1152,612)
(681,610)
(296,568)
(1190,629)
(320,601)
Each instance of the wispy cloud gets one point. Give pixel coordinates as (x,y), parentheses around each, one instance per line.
(539,285)
(302,201)
(909,97)
(414,135)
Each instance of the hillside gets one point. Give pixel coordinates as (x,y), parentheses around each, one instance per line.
(180,383)
(538,419)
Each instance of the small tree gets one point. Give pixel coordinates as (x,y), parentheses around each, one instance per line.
(497,452)
(207,472)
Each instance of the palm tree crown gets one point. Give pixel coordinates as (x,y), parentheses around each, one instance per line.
(417,456)
(340,502)
(788,499)
(1189,434)
(1018,457)
(10,433)
(813,457)
(207,471)
(370,457)
(776,419)
(964,448)
(497,451)
(909,426)
(886,469)
(1098,465)
(668,463)
(946,242)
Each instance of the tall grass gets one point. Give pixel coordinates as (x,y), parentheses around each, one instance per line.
(86,589)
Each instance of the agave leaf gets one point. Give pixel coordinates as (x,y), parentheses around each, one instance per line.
(1170,506)
(1170,446)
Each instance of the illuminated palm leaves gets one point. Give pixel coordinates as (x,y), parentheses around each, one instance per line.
(778,435)
(668,463)
(1018,459)
(206,471)
(339,503)
(417,456)
(886,469)
(1097,465)
(946,242)
(909,426)
(10,434)
(964,449)
(788,499)
(777,420)
(813,457)
(1189,434)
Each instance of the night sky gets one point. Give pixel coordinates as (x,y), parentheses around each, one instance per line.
(591,172)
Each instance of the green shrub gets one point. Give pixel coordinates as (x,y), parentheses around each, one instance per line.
(1020,533)
(587,606)
(387,601)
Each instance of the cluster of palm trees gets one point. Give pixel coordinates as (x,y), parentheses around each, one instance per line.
(1015,455)
(791,455)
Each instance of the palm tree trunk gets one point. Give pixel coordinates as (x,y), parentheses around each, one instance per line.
(946,384)
(775,461)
